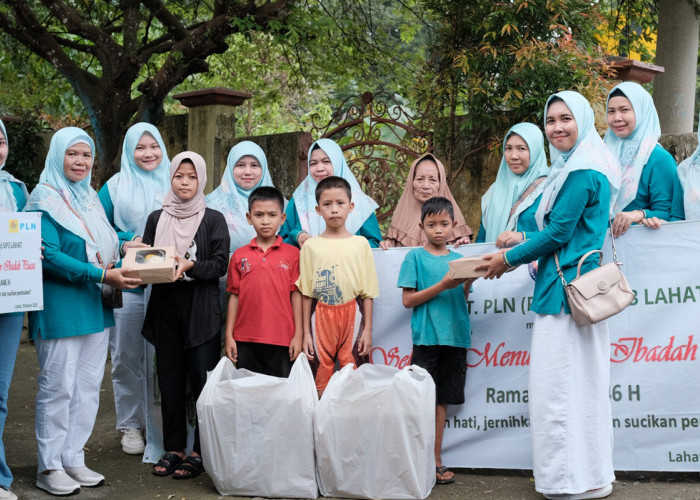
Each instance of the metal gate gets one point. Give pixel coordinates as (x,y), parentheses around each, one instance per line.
(381,139)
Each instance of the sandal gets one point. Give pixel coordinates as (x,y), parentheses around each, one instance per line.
(169,462)
(441,471)
(191,466)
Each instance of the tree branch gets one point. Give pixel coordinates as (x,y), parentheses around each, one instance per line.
(170,21)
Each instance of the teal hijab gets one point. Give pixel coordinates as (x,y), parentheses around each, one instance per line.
(8,203)
(589,152)
(633,152)
(497,203)
(232,200)
(135,193)
(74,205)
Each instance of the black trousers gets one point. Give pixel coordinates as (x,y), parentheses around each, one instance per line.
(176,367)
(264,358)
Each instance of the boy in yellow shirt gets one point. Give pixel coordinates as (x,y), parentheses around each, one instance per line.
(336,271)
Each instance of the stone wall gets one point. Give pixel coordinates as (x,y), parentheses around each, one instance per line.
(681,146)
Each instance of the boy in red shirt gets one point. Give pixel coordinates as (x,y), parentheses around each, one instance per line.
(263,326)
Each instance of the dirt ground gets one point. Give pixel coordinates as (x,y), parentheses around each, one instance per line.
(128,478)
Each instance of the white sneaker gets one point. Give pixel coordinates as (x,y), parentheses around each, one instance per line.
(85,476)
(7,494)
(57,482)
(132,442)
(597,493)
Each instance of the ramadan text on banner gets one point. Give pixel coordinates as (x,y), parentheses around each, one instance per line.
(655,363)
(20,262)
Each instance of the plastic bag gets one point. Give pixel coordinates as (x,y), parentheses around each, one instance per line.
(256,431)
(375,433)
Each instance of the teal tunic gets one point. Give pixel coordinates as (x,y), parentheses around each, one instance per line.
(677,206)
(72,298)
(124,236)
(444,319)
(21,200)
(292,227)
(656,185)
(577,224)
(526,222)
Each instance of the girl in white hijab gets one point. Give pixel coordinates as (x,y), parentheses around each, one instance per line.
(128,198)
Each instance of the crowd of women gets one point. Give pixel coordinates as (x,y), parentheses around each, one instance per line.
(623,179)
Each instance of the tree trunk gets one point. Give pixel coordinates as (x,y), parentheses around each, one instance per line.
(110,116)
(677,52)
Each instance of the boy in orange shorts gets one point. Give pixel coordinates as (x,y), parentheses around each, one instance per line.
(336,271)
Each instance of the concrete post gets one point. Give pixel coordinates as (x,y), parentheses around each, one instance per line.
(211,125)
(677,52)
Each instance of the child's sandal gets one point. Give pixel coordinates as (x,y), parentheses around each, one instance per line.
(191,467)
(441,471)
(169,462)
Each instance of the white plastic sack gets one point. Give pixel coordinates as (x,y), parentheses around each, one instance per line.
(256,431)
(375,433)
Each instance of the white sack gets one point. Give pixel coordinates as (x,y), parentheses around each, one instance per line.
(375,433)
(256,431)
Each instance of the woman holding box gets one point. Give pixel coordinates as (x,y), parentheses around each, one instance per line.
(570,415)
(13,196)
(80,249)
(128,198)
(508,207)
(183,319)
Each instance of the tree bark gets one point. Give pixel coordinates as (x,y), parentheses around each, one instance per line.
(677,52)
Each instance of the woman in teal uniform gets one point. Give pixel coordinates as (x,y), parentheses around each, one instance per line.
(128,198)
(570,415)
(648,170)
(508,207)
(13,196)
(70,333)
(326,159)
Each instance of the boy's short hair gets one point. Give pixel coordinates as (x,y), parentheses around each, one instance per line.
(333,182)
(266,193)
(437,205)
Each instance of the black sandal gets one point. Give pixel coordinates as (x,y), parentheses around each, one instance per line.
(169,462)
(442,470)
(193,466)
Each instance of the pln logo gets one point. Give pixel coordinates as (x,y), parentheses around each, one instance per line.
(19,227)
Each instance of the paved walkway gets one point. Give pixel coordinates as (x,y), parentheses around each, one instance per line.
(128,478)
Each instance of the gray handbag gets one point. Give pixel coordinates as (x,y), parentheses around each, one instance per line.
(600,293)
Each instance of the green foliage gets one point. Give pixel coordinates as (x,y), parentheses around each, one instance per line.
(31,86)
(26,140)
(497,62)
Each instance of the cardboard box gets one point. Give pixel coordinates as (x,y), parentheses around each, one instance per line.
(152,264)
(464,267)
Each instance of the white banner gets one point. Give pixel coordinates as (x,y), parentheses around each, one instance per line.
(655,363)
(20,262)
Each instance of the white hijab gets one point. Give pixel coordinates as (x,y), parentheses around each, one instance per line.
(589,152)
